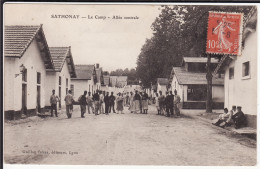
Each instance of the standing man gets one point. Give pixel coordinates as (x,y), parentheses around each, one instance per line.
(69,103)
(106,100)
(161,100)
(167,104)
(83,103)
(177,103)
(90,103)
(145,102)
(53,100)
(96,102)
(101,102)
(112,102)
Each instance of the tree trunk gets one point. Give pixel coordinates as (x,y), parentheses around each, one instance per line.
(209,86)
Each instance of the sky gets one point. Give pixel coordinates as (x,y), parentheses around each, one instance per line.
(113,43)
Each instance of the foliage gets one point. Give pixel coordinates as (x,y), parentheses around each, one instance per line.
(178,31)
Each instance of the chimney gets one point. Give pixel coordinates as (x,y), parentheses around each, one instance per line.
(97,66)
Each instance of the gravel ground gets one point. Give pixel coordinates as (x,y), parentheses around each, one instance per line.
(124,139)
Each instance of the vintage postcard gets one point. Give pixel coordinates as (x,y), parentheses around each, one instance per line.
(130,84)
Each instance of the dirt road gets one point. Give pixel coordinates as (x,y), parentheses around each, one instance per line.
(124,139)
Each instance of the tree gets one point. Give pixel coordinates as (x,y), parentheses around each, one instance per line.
(178,31)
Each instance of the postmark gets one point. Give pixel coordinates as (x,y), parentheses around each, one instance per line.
(224,33)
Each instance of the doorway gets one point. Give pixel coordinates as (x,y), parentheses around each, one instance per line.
(24,99)
(39,99)
(60,97)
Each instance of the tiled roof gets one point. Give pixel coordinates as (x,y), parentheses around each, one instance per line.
(185,77)
(162,81)
(106,79)
(58,55)
(84,71)
(18,38)
(199,60)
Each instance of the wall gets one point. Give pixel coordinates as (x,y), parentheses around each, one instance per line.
(33,62)
(51,85)
(178,87)
(243,91)
(9,76)
(64,75)
(80,86)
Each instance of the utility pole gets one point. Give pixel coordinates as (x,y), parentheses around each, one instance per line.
(209,85)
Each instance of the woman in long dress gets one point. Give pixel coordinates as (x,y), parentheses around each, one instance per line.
(137,100)
(120,102)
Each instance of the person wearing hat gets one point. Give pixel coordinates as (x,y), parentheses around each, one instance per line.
(239,118)
(112,103)
(53,100)
(69,103)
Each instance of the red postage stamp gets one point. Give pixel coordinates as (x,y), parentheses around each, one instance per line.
(224,33)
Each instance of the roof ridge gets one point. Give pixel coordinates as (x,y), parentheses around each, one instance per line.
(30,41)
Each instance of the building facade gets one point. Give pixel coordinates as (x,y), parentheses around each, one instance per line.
(190,82)
(241,72)
(26,60)
(85,80)
(59,79)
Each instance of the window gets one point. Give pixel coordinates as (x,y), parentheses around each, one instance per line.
(245,69)
(59,80)
(231,73)
(24,75)
(67,82)
(175,85)
(197,92)
(38,78)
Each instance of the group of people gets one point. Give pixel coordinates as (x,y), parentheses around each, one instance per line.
(98,103)
(168,105)
(138,102)
(235,115)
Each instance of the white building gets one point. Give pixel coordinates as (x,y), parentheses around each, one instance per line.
(59,79)
(162,85)
(86,79)
(241,72)
(190,82)
(26,60)
(118,81)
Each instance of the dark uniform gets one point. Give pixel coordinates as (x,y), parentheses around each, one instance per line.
(112,103)
(169,104)
(239,119)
